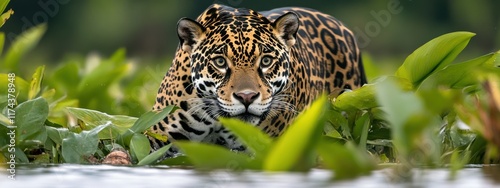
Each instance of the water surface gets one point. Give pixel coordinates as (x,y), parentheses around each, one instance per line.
(162,176)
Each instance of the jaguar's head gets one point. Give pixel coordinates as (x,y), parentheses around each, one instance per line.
(240,61)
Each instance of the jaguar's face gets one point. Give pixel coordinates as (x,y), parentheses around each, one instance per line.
(239,64)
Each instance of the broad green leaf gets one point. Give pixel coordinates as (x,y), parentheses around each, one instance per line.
(153,157)
(77,147)
(5,16)
(460,75)
(139,146)
(346,160)
(299,140)
(36,82)
(364,98)
(57,134)
(21,156)
(251,136)
(433,56)
(207,156)
(150,118)
(23,44)
(358,99)
(93,118)
(30,118)
(21,87)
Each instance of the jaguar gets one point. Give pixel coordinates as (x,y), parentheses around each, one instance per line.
(263,68)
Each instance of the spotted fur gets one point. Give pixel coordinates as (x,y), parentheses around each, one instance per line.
(261,67)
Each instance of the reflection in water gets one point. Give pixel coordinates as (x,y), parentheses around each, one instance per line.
(492,172)
(119,176)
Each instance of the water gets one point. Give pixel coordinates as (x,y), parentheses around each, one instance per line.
(162,176)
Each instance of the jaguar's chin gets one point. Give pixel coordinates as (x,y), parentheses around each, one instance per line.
(249,118)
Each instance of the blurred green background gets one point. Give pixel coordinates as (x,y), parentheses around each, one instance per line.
(146,28)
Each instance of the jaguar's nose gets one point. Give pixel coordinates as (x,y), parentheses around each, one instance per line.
(246,97)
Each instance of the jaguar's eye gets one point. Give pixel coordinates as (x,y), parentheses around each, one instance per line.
(220,62)
(266,61)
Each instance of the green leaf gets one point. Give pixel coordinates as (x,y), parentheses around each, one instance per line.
(407,120)
(21,156)
(181,160)
(251,136)
(139,146)
(458,161)
(23,44)
(36,82)
(205,156)
(151,118)
(93,118)
(362,125)
(3,5)
(460,75)
(77,147)
(364,98)
(358,99)
(299,140)
(30,118)
(340,123)
(433,56)
(57,134)
(5,16)
(153,157)
(346,160)
(21,87)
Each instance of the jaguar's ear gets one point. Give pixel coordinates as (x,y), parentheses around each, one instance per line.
(286,27)
(190,32)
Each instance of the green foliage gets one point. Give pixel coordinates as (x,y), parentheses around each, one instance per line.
(433,56)
(298,142)
(256,141)
(4,16)
(30,121)
(410,118)
(77,147)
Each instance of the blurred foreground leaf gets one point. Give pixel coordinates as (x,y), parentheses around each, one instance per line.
(252,137)
(298,142)
(207,156)
(346,161)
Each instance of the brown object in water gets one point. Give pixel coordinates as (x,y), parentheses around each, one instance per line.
(117,157)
